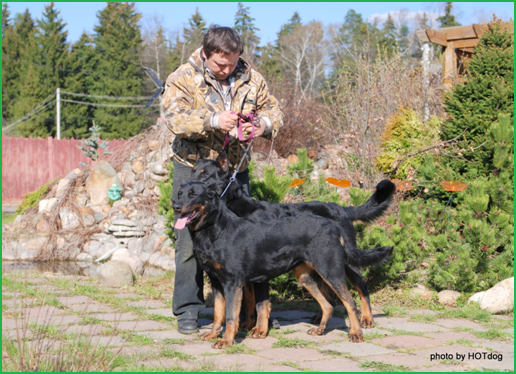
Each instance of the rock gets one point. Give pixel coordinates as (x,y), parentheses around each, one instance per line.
(88,219)
(448,297)
(43,226)
(499,298)
(69,220)
(130,259)
(477,297)
(137,167)
(323,163)
(135,245)
(63,184)
(162,261)
(159,242)
(292,159)
(158,178)
(153,144)
(46,205)
(99,217)
(127,175)
(87,210)
(78,172)
(156,191)
(120,203)
(311,153)
(106,208)
(158,169)
(18,219)
(422,291)
(115,274)
(101,178)
(84,257)
(139,187)
(81,200)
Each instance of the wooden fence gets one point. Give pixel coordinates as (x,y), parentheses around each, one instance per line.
(29,163)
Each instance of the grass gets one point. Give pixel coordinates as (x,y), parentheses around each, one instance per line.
(295,366)
(423,318)
(284,342)
(380,366)
(8,217)
(493,334)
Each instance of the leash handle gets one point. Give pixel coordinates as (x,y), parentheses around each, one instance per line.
(231,180)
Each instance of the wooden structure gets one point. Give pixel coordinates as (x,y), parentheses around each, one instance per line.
(459,42)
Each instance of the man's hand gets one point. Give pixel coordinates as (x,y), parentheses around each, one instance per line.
(227,120)
(259,129)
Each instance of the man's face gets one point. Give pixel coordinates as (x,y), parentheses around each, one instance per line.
(221,65)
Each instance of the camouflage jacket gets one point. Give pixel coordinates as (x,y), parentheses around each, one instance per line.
(191,100)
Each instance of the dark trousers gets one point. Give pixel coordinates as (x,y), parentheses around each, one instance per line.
(188,297)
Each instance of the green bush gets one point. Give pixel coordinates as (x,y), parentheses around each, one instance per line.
(404,134)
(165,202)
(32,199)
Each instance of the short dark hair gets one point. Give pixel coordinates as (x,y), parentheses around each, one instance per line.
(221,39)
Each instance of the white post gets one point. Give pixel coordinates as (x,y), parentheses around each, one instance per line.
(58,102)
(426,73)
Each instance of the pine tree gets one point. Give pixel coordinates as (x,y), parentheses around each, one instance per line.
(245,28)
(389,39)
(77,118)
(287,28)
(15,36)
(448,19)
(118,45)
(474,105)
(190,40)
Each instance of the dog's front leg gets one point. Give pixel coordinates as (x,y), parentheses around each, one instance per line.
(219,312)
(233,295)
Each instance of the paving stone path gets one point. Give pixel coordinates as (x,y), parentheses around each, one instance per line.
(143,327)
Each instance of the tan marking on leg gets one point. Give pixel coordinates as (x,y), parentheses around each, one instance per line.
(219,315)
(366,320)
(342,241)
(262,321)
(303,275)
(231,324)
(249,305)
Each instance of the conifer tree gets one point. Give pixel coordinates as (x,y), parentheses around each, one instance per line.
(244,26)
(448,19)
(77,118)
(15,36)
(474,105)
(118,45)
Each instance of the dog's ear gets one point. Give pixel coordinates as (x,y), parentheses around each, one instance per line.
(200,154)
(222,161)
(212,190)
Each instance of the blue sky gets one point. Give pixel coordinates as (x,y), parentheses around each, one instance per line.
(268,16)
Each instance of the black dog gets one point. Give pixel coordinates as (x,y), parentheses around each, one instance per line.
(217,171)
(234,251)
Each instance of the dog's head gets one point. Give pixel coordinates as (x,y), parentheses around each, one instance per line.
(195,204)
(209,171)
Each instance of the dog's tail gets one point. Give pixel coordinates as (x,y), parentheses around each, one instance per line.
(375,206)
(360,258)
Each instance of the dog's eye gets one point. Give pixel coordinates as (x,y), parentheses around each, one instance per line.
(179,193)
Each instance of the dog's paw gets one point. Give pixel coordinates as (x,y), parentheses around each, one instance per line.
(316,330)
(356,337)
(209,335)
(367,322)
(258,333)
(246,325)
(221,344)
(316,319)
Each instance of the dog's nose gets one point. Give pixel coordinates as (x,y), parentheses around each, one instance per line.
(177,207)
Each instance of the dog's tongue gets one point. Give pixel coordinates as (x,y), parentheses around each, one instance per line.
(180,223)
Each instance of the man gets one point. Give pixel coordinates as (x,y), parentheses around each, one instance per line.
(200,102)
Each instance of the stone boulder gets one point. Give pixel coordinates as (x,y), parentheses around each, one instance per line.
(448,297)
(130,259)
(101,178)
(422,291)
(69,220)
(115,274)
(499,298)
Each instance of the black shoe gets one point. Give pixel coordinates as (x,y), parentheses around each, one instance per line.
(187,326)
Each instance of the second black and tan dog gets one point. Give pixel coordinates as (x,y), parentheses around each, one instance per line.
(234,251)
(256,296)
